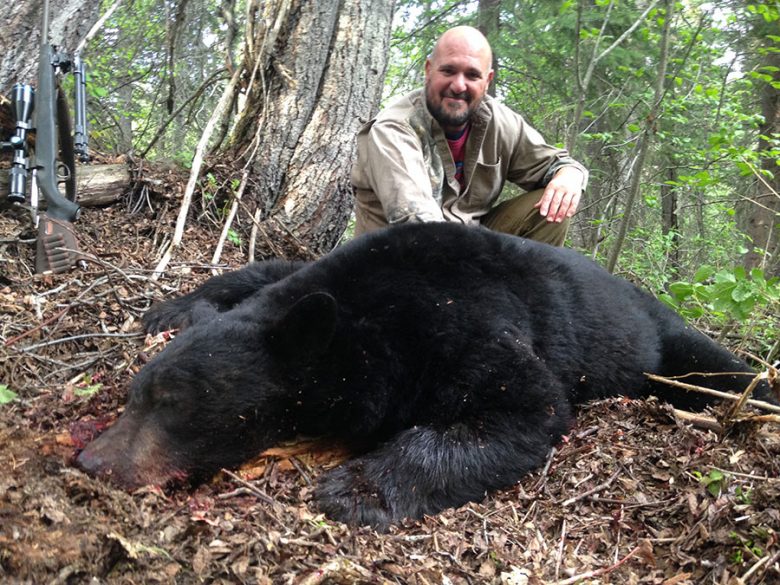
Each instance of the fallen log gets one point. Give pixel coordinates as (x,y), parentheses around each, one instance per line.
(97,185)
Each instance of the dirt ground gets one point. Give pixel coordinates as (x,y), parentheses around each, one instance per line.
(631,496)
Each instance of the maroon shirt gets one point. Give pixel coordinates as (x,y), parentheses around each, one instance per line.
(458,150)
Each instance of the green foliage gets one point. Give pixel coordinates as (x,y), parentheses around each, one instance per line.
(734,298)
(744,496)
(133,86)
(6,394)
(745,546)
(418,26)
(234,237)
(715,481)
(730,294)
(87,387)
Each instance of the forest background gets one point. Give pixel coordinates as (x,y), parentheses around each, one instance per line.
(673,106)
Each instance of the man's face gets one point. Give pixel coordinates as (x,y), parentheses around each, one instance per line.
(456,80)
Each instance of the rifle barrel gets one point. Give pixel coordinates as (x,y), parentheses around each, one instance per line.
(58,206)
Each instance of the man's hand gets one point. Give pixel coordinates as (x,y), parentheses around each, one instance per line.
(562,195)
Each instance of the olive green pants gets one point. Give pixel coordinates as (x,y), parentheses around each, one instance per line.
(519,217)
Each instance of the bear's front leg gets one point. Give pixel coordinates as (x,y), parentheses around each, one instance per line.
(426,469)
(219,293)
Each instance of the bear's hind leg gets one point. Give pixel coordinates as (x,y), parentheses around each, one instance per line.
(425,469)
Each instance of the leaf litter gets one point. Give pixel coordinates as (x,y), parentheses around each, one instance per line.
(632,495)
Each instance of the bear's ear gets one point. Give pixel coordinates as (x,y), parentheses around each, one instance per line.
(307,327)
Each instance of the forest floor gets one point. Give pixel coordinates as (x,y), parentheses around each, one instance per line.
(631,496)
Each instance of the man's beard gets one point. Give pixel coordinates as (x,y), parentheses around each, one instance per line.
(447,119)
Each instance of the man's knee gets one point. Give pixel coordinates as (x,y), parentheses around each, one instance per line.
(519,217)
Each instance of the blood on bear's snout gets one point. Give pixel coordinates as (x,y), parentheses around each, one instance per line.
(131,454)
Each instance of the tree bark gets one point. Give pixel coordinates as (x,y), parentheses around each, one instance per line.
(670,221)
(764,221)
(489,17)
(20,34)
(315,73)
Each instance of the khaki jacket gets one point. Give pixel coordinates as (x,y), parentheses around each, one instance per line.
(404,169)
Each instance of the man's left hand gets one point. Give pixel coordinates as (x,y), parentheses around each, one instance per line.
(562,195)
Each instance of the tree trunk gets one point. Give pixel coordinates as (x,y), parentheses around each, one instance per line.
(489,17)
(764,220)
(645,140)
(316,71)
(20,34)
(670,222)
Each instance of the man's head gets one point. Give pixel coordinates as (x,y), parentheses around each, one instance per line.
(457,75)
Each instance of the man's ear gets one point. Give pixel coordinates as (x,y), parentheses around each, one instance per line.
(306,328)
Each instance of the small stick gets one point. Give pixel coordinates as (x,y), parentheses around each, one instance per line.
(561,545)
(590,492)
(598,572)
(254,489)
(24,334)
(723,395)
(543,475)
(734,410)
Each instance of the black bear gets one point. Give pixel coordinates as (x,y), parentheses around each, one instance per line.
(450,357)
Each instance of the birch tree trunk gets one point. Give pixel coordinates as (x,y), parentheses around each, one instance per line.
(314,74)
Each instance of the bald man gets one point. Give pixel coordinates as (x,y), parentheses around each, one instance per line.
(444,152)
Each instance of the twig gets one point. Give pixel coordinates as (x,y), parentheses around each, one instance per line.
(560,549)
(734,410)
(590,492)
(38,326)
(77,337)
(598,572)
(747,475)
(766,560)
(223,236)
(543,477)
(299,468)
(254,489)
(724,395)
(699,420)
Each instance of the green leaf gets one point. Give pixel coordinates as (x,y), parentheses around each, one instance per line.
(703,273)
(87,391)
(681,290)
(6,394)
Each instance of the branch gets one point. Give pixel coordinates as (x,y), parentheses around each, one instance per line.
(231,215)
(626,33)
(722,395)
(97,26)
(197,163)
(172,117)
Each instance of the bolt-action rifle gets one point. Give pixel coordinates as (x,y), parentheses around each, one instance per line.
(45,112)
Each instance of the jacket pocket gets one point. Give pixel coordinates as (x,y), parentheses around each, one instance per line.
(484,187)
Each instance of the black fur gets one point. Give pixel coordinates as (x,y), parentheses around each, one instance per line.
(453,356)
